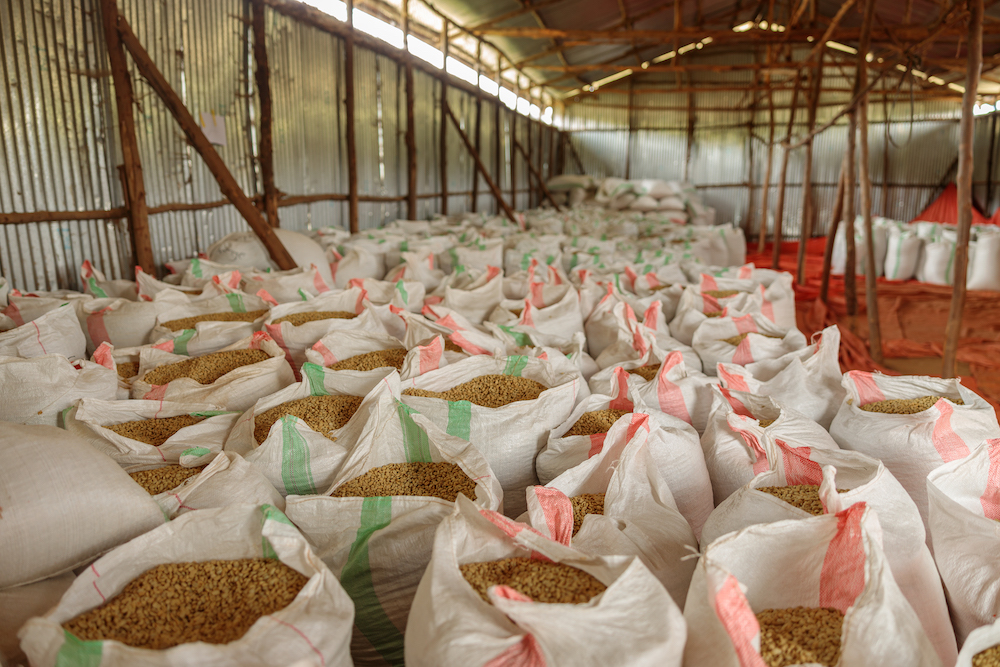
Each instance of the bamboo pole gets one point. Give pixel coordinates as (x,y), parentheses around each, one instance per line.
(266,147)
(352,146)
(477,139)
(443,132)
(479,164)
(766,191)
(805,226)
(411,132)
(227,184)
(779,214)
(965,169)
(134,194)
(538,177)
(831,233)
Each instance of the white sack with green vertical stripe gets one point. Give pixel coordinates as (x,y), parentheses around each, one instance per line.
(193,445)
(380,546)
(340,345)
(509,436)
(295,458)
(38,390)
(401,294)
(208,336)
(634,622)
(98,285)
(316,625)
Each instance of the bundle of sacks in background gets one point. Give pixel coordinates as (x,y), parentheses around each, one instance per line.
(675,200)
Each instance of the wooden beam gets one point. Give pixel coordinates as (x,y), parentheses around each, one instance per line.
(831,233)
(779,214)
(479,164)
(989,160)
(134,185)
(498,141)
(477,131)
(808,207)
(538,177)
(850,265)
(513,158)
(885,158)
(116,213)
(574,154)
(689,143)
(766,193)
(262,75)
(349,130)
(411,133)
(227,184)
(527,158)
(965,169)
(443,131)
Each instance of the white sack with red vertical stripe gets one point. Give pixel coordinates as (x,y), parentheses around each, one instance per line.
(236,390)
(673,446)
(200,271)
(866,480)
(431,356)
(401,294)
(355,263)
(635,340)
(640,516)
(509,436)
(349,343)
(379,547)
(121,322)
(316,625)
(806,380)
(964,507)
(148,287)
(192,445)
(473,341)
(696,305)
(603,324)
(38,390)
(286,286)
(208,336)
(477,299)
(911,446)
(634,622)
(419,266)
(732,441)
(559,319)
(55,332)
(23,308)
(763,340)
(835,560)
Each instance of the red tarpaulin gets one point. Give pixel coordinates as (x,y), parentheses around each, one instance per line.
(945,209)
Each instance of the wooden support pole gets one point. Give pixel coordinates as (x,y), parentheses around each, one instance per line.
(538,177)
(965,168)
(262,75)
(443,131)
(831,233)
(552,153)
(748,223)
(871,293)
(766,192)
(989,161)
(539,156)
(631,130)
(885,159)
(808,206)
(134,188)
(498,141)
(779,214)
(689,144)
(477,130)
(479,165)
(411,132)
(352,146)
(513,158)
(561,140)
(576,156)
(227,184)
(527,158)
(850,211)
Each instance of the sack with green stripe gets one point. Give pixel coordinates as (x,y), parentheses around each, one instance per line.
(475,299)
(97,284)
(121,322)
(315,628)
(295,457)
(453,327)
(380,546)
(208,335)
(405,294)
(193,445)
(510,435)
(228,479)
(478,255)
(289,286)
(341,346)
(419,266)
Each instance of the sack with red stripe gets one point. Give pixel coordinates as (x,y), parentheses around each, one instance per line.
(743,340)
(209,335)
(476,298)
(453,327)
(912,445)
(636,339)
(641,517)
(846,478)
(510,436)
(806,380)
(148,287)
(351,343)
(428,357)
(666,307)
(315,626)
(665,282)
(476,256)
(733,439)
(192,446)
(294,456)
(673,446)
(606,320)
(343,310)
(286,286)
(379,547)
(96,284)
(633,622)
(710,299)
(418,266)
(200,271)
(750,272)
(835,561)
(400,294)
(964,507)
(56,332)
(354,263)
(124,323)
(555,324)
(236,390)
(38,390)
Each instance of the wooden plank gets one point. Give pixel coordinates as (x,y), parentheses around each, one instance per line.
(227,184)
(349,130)
(965,169)
(265,149)
(134,185)
(479,164)
(538,177)
(443,130)
(116,213)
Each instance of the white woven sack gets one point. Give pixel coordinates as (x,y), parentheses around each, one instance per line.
(121,322)
(423,358)
(38,390)
(208,336)
(866,481)
(20,603)
(694,307)
(764,340)
(985,262)
(200,271)
(636,341)
(98,285)
(732,442)
(463,333)
(964,507)
(633,622)
(226,480)
(316,623)
(936,264)
(902,254)
(349,343)
(286,286)
(106,355)
(640,517)
(829,561)
(293,456)
(806,380)
(191,446)
(236,390)
(558,320)
(356,262)
(602,325)
(509,436)
(911,446)
(56,332)
(979,640)
(23,308)
(401,294)
(478,256)
(419,330)
(149,287)
(380,547)
(672,444)
(478,299)
(64,503)
(418,266)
